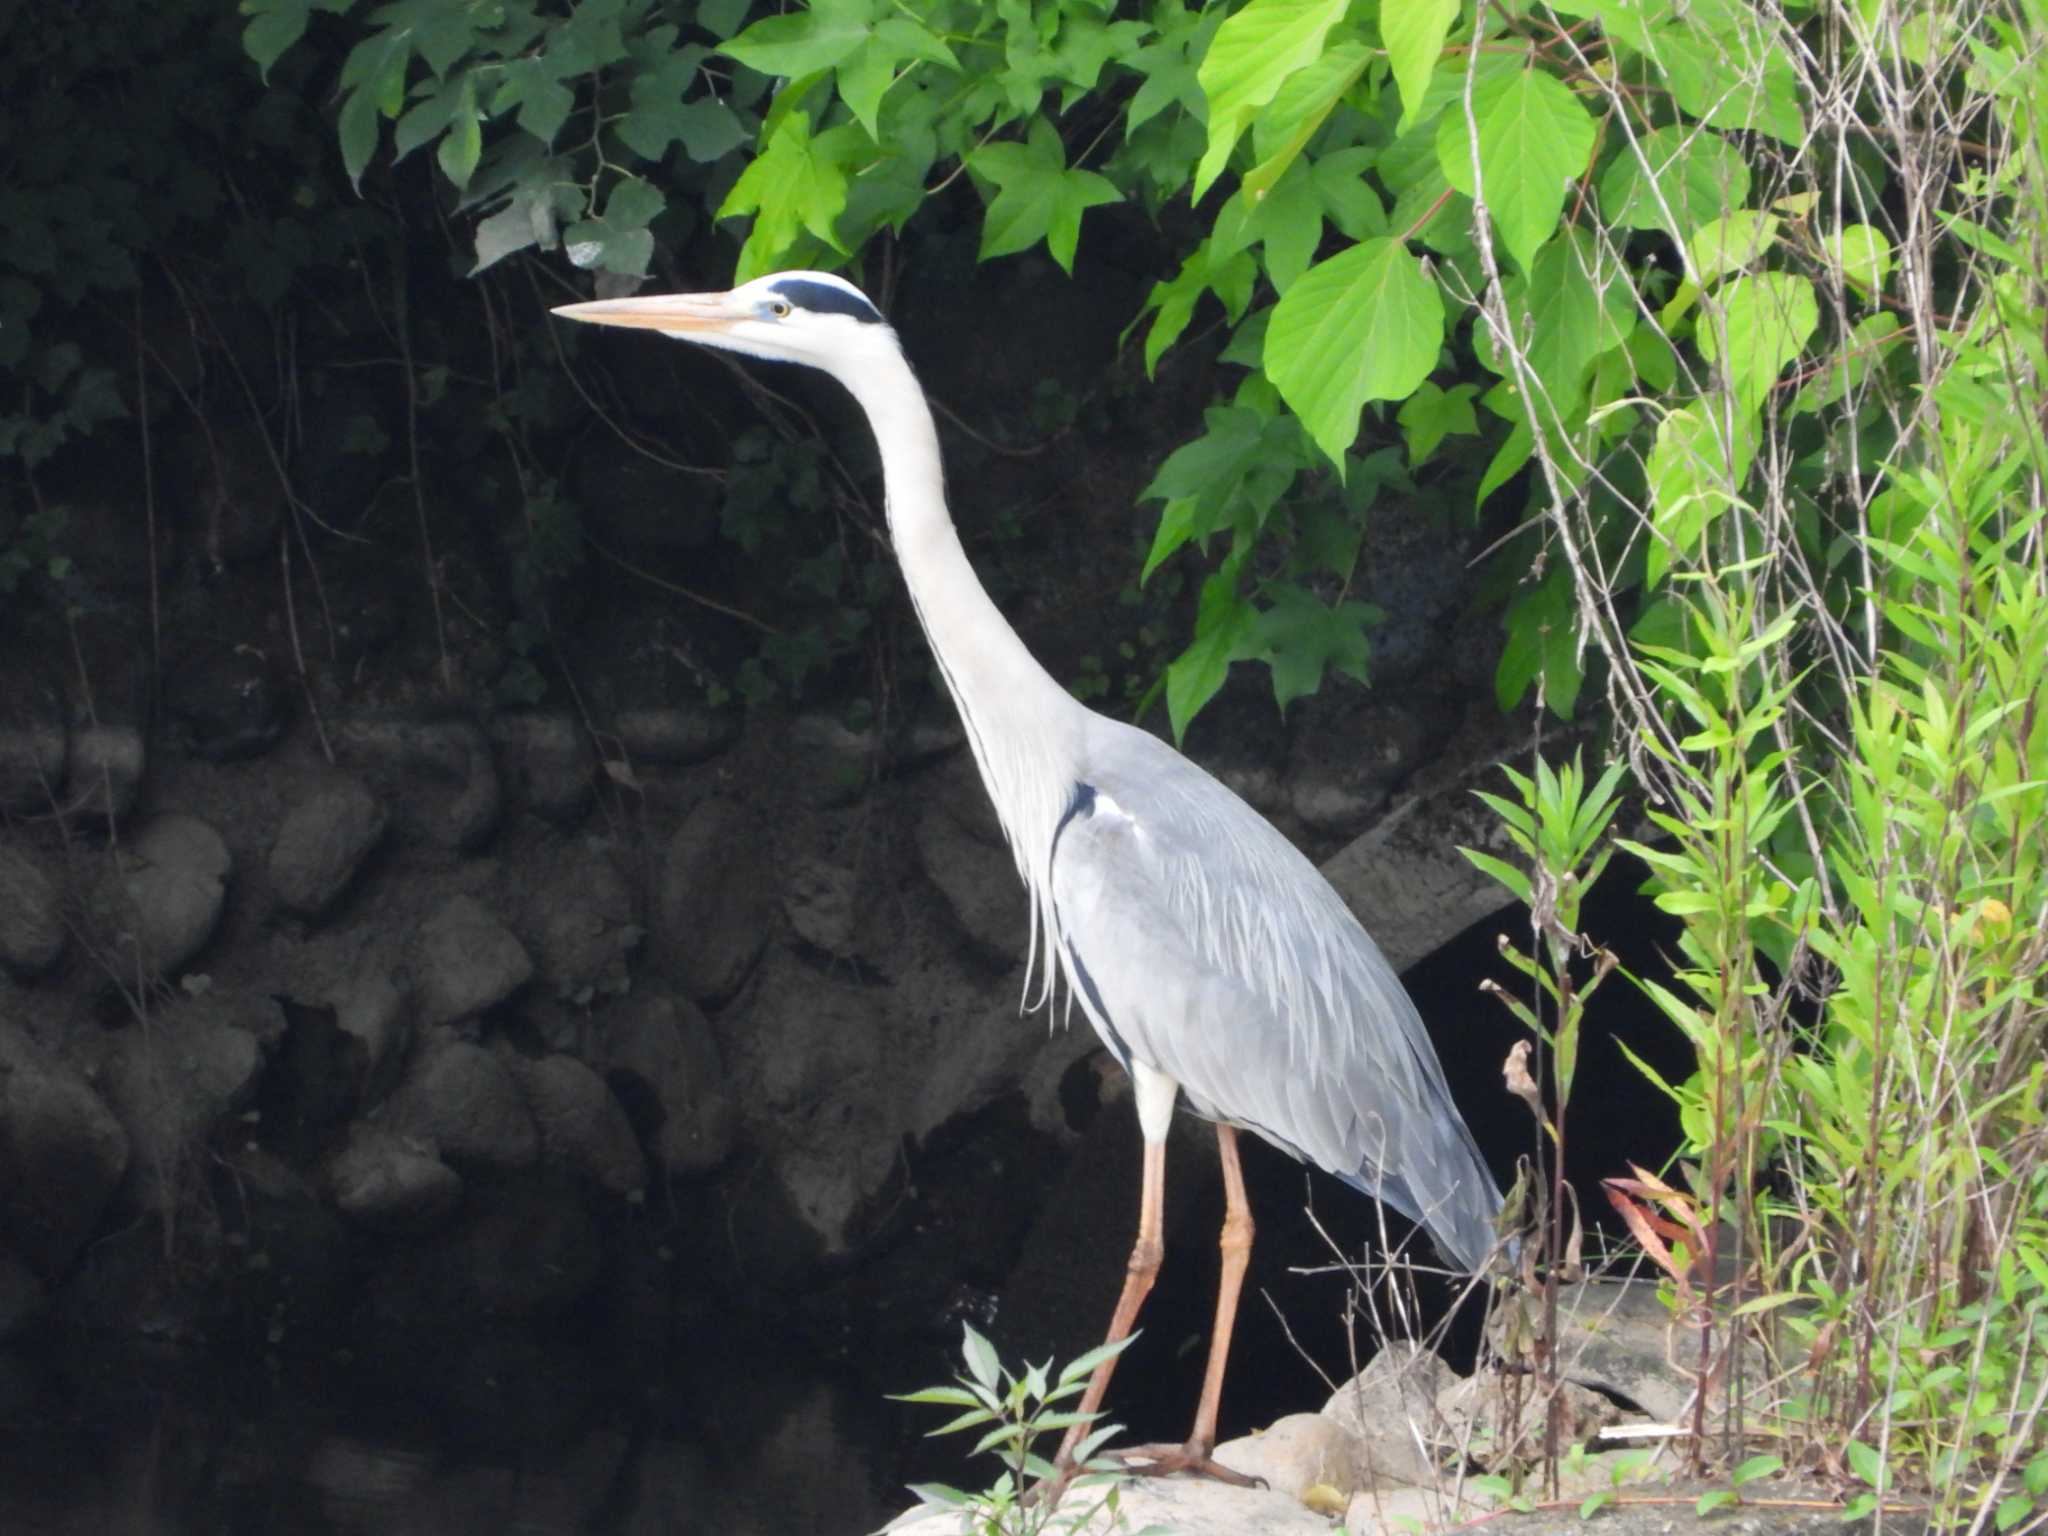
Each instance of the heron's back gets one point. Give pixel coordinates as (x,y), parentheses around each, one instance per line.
(1205,944)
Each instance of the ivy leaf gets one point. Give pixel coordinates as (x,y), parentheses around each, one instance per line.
(897,42)
(463,144)
(1222,622)
(1414,32)
(1232,475)
(1231,277)
(803,42)
(1767,319)
(1249,59)
(1431,414)
(797,183)
(1364,325)
(1535,138)
(618,241)
(1168,67)
(1690,171)
(1039,197)
(1299,638)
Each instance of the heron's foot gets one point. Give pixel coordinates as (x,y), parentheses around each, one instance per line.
(1165,1460)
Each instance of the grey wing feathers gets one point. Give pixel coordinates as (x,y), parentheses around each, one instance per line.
(1215,952)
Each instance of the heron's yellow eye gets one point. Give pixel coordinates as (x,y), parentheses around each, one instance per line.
(779,308)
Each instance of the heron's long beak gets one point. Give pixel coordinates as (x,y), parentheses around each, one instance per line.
(678,313)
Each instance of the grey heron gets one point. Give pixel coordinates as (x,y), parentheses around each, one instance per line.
(1210,955)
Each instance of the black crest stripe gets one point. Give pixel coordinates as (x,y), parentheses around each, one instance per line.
(828,299)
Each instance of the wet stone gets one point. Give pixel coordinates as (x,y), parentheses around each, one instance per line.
(320,845)
(31,914)
(713,900)
(663,1063)
(166,894)
(582,1127)
(62,1154)
(465,961)
(463,1101)
(391,1184)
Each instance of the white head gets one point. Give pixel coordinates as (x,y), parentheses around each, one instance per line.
(790,317)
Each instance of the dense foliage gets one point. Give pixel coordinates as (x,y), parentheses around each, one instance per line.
(1734,312)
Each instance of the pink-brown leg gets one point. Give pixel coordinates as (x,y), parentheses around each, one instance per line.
(1143,1269)
(1197,1454)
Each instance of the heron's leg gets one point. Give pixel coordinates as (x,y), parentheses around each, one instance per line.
(1142,1270)
(1236,1242)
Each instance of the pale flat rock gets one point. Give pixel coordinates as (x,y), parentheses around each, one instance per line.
(1187,1506)
(1298,1452)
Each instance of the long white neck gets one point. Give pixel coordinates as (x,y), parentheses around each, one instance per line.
(1024,728)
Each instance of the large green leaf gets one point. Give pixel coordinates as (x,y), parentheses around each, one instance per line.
(796,184)
(1535,138)
(1249,59)
(1767,319)
(1431,414)
(1299,109)
(1364,325)
(1299,638)
(1674,179)
(1038,196)
(820,36)
(1414,32)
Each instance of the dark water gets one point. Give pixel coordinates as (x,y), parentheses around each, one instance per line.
(140,1443)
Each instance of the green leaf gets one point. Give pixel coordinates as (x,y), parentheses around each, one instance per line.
(1414,32)
(1230,277)
(1733,76)
(1364,325)
(980,1356)
(1574,304)
(1863,253)
(796,183)
(1766,319)
(1535,138)
(1287,221)
(1038,197)
(1300,107)
(802,42)
(1866,1464)
(1694,478)
(1249,59)
(1713,1499)
(1542,642)
(463,144)
(1673,179)
(1298,638)
(1516,880)
(1758,1466)
(1222,621)
(274,25)
(1728,244)
(1430,415)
